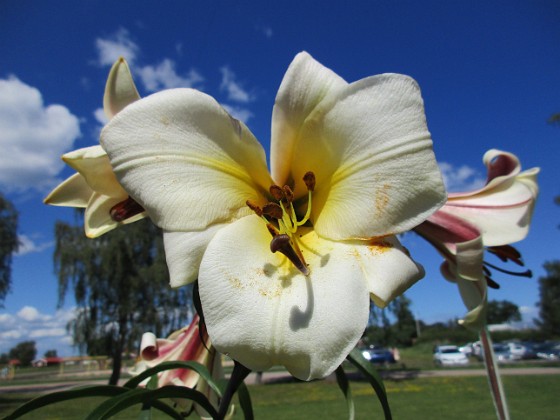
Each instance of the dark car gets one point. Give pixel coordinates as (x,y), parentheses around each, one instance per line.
(378,355)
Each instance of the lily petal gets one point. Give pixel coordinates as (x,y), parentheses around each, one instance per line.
(93,164)
(502,213)
(72,192)
(183,253)
(120,89)
(277,316)
(388,268)
(305,84)
(356,143)
(185,160)
(473,294)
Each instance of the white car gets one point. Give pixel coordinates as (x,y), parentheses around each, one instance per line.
(449,356)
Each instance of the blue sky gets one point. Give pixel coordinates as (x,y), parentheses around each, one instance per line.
(489,73)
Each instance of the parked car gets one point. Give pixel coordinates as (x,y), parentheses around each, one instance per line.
(449,356)
(548,351)
(502,353)
(520,350)
(378,355)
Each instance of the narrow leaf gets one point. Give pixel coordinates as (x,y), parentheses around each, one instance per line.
(344,386)
(356,358)
(197,367)
(138,395)
(245,401)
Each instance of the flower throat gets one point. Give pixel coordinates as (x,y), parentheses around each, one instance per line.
(282,222)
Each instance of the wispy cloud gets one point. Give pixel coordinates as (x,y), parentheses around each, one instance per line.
(265,30)
(165,76)
(233,88)
(34,135)
(162,75)
(29,245)
(461,178)
(117,45)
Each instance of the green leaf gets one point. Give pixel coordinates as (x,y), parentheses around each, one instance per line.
(197,367)
(356,358)
(145,396)
(56,397)
(344,386)
(245,401)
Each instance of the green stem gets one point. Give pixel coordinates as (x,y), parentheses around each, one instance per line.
(496,387)
(238,375)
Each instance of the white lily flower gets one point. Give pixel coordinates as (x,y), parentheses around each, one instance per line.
(352,165)
(94,186)
(493,216)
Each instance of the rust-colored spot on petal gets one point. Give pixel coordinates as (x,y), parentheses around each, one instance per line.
(379,246)
(382,198)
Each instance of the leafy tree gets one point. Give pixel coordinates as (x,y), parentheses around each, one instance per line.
(502,311)
(382,332)
(8,245)
(404,330)
(25,352)
(549,290)
(4,359)
(51,353)
(549,303)
(121,285)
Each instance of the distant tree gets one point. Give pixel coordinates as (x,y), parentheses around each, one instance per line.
(51,353)
(25,352)
(549,291)
(549,302)
(404,329)
(384,333)
(4,359)
(554,119)
(8,245)
(502,311)
(121,284)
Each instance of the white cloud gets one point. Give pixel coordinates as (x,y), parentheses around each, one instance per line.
(47,330)
(242,114)
(100,116)
(164,76)
(28,245)
(31,314)
(462,178)
(34,136)
(117,45)
(234,90)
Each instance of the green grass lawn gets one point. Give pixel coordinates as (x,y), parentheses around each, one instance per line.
(530,397)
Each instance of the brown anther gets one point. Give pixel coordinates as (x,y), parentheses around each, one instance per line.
(276,192)
(309,179)
(272,229)
(288,193)
(506,253)
(272,210)
(255,207)
(125,210)
(282,243)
